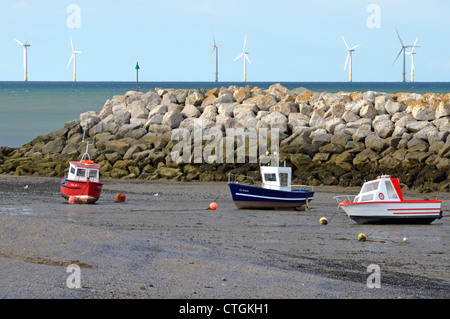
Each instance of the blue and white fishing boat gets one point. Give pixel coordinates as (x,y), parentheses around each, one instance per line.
(275,192)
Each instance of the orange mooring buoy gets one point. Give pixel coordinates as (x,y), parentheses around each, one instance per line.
(120,197)
(213,206)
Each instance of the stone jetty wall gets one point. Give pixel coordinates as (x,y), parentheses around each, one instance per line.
(328,139)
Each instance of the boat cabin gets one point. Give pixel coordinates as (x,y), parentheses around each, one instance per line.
(384,188)
(278,178)
(83,171)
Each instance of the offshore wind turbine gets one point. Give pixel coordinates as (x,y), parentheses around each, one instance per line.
(216,48)
(412,53)
(25,47)
(74,57)
(245,55)
(402,50)
(349,58)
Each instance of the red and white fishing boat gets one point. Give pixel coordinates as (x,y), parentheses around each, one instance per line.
(381,202)
(83,181)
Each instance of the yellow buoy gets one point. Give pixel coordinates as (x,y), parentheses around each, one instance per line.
(362,237)
(323,221)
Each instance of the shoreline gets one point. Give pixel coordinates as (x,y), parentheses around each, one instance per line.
(163,242)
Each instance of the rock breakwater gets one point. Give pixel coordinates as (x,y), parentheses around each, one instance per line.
(328,138)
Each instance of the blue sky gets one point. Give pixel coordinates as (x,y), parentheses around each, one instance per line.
(298,41)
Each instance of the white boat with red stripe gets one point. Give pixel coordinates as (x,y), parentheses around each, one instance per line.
(381,202)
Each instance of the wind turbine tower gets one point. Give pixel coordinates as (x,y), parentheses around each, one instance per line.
(216,48)
(412,53)
(349,59)
(402,50)
(74,57)
(25,46)
(245,55)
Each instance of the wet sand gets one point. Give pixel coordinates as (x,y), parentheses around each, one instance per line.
(164,242)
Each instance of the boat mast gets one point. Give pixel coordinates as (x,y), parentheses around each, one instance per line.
(86,153)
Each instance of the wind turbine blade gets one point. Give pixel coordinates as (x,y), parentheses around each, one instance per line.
(77,52)
(71,43)
(213,37)
(239,56)
(28,38)
(345,43)
(356,46)
(399,37)
(246,56)
(71,57)
(211,54)
(245,42)
(414,46)
(18,41)
(398,56)
(346,61)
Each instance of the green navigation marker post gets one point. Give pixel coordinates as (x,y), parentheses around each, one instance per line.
(137,76)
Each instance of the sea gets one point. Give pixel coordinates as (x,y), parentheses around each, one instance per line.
(30,109)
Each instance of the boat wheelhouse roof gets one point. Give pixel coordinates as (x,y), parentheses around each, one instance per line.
(383,188)
(85,164)
(276,177)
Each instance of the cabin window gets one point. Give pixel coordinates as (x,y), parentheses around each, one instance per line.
(370,187)
(283,179)
(270,177)
(93,173)
(72,170)
(390,190)
(366,198)
(81,172)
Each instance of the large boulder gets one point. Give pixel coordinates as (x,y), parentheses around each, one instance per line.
(54,147)
(394,107)
(137,109)
(423,112)
(276,120)
(195,97)
(151,100)
(89,119)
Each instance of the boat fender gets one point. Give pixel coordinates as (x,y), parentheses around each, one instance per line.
(381,196)
(73,200)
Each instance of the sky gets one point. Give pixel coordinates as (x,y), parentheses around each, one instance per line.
(287,40)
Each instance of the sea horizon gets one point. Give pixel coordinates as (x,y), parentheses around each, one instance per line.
(440,87)
(33,108)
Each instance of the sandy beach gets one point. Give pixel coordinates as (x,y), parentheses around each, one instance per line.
(163,242)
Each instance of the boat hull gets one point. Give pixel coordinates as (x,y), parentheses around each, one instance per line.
(252,197)
(403,212)
(86,192)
